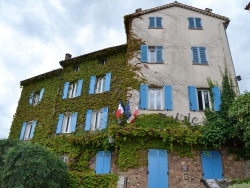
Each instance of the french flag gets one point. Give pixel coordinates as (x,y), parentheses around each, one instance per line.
(120,110)
(131,119)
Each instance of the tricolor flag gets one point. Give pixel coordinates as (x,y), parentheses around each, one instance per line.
(131,119)
(120,110)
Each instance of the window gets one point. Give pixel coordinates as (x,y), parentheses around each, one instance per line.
(65,158)
(103,162)
(72,90)
(66,123)
(96,119)
(156,98)
(151,54)
(102,61)
(199,99)
(154,22)
(199,55)
(35,97)
(27,131)
(194,23)
(76,68)
(99,85)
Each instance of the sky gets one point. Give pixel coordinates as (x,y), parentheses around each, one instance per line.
(36,35)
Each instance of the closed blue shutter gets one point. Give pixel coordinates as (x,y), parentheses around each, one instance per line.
(107,82)
(106,162)
(158,22)
(104,118)
(32,129)
(79,88)
(159,54)
(198,23)
(163,168)
(152,168)
(217,97)
(151,22)
(73,122)
(59,124)
(144,53)
(41,94)
(217,165)
(192,98)
(143,96)
(92,85)
(65,90)
(203,59)
(31,98)
(99,162)
(195,54)
(22,131)
(191,23)
(88,120)
(168,97)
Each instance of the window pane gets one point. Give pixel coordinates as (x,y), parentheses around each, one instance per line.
(200,100)
(206,99)
(158,99)
(151,99)
(27,131)
(152,56)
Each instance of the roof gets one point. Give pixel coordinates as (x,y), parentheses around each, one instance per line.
(247,6)
(128,18)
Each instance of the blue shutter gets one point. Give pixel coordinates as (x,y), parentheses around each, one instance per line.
(192,98)
(106,162)
(144,53)
(159,54)
(73,122)
(32,129)
(31,98)
(191,23)
(151,22)
(163,168)
(92,85)
(41,94)
(203,59)
(107,81)
(65,90)
(99,162)
(198,23)
(217,97)
(22,131)
(59,124)
(217,165)
(104,118)
(88,120)
(143,96)
(168,97)
(79,88)
(195,54)
(158,22)
(152,168)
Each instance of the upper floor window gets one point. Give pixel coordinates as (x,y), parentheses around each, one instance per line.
(155,22)
(72,90)
(66,122)
(76,68)
(35,97)
(152,98)
(203,99)
(194,23)
(199,55)
(96,119)
(27,131)
(99,85)
(151,54)
(102,61)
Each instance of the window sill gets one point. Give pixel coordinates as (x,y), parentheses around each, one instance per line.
(153,62)
(195,28)
(205,64)
(155,27)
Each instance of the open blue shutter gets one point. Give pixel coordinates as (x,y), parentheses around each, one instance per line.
(59,124)
(31,98)
(192,98)
(104,118)
(88,120)
(195,54)
(151,22)
(106,162)
(198,23)
(107,81)
(152,168)
(41,94)
(163,168)
(217,97)
(92,85)
(144,53)
(22,131)
(79,88)
(32,129)
(73,122)
(99,162)
(143,96)
(207,165)
(168,97)
(217,165)
(158,22)
(65,90)
(191,22)
(159,54)
(203,59)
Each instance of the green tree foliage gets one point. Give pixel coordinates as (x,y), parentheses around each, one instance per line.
(31,165)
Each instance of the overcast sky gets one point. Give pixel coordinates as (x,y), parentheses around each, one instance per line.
(36,34)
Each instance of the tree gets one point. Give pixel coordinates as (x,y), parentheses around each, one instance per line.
(32,165)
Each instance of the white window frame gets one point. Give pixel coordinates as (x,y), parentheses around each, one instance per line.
(28,130)
(65,158)
(96,120)
(155,98)
(203,99)
(72,90)
(152,56)
(35,99)
(100,85)
(66,125)
(76,68)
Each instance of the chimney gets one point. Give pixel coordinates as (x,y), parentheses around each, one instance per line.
(138,10)
(208,9)
(68,56)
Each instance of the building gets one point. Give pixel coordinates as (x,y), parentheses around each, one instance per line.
(171,52)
